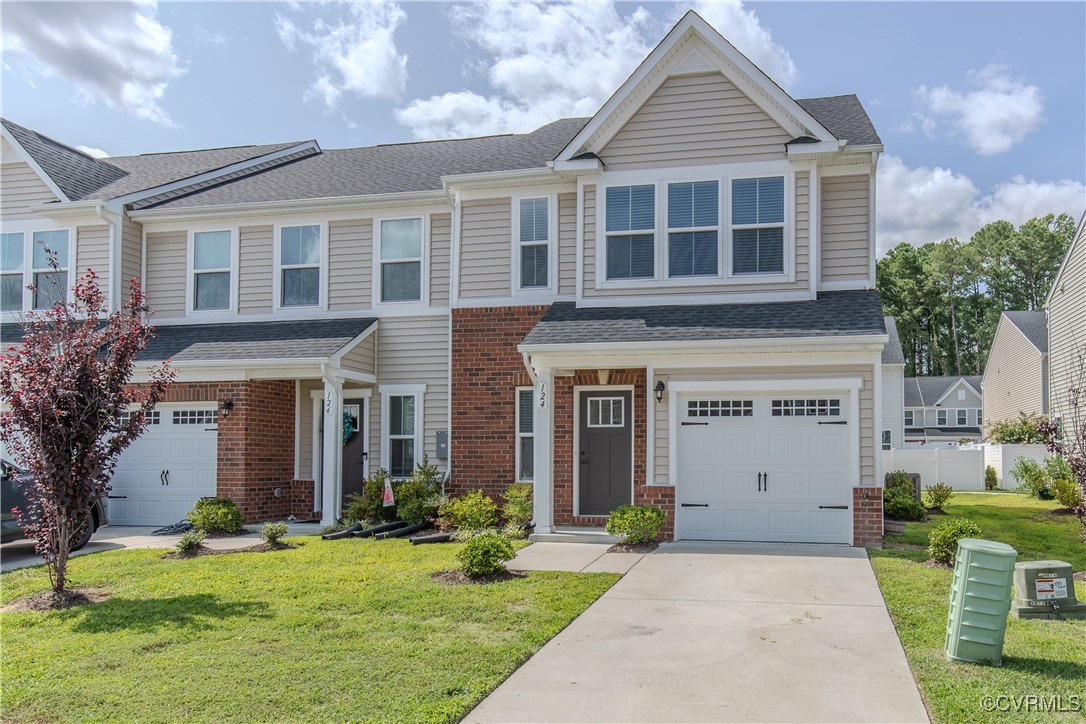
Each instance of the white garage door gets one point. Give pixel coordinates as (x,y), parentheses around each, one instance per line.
(171,466)
(765,467)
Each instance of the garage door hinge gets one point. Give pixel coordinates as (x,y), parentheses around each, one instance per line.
(695,423)
(833,507)
(694,505)
(833,422)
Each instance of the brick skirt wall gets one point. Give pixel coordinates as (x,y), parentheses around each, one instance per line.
(867,517)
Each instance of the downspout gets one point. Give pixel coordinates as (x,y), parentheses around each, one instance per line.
(528,366)
(112,219)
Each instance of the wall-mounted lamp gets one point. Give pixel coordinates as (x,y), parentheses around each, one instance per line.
(226,407)
(659,390)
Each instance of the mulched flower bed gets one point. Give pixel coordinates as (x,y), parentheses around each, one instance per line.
(229,534)
(936,564)
(49,601)
(935,511)
(634,547)
(456,577)
(204,551)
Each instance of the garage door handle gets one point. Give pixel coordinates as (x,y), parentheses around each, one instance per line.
(695,423)
(167,477)
(694,505)
(117,497)
(759,482)
(161,477)
(833,507)
(833,422)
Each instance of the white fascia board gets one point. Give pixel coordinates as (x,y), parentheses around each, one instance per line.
(46,179)
(577,167)
(801,151)
(500,179)
(1075,241)
(68,211)
(863,343)
(225,371)
(335,359)
(954,387)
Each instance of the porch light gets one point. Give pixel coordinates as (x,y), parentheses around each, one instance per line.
(659,390)
(226,407)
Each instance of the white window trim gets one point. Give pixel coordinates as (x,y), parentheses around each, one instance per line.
(190,273)
(551,244)
(611,422)
(520,435)
(979,412)
(787,272)
(387,392)
(424,264)
(665,252)
(959,413)
(28,229)
(604,235)
(278,267)
(887,444)
(944,413)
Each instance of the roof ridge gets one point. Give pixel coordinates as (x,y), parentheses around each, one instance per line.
(73,149)
(216,148)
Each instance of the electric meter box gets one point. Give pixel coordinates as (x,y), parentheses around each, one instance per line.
(1045,589)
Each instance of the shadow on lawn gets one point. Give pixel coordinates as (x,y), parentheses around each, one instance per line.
(197,612)
(1069,670)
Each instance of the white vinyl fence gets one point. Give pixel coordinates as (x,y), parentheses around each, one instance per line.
(1003,457)
(960,469)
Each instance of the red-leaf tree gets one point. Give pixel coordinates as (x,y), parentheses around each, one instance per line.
(1067,438)
(67,392)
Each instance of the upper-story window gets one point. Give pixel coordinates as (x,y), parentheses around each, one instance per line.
(963,418)
(300,266)
(534,242)
(693,228)
(50,285)
(401,260)
(908,418)
(212,253)
(940,417)
(758,225)
(631,226)
(11,272)
(980,417)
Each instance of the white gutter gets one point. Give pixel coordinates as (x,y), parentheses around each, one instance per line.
(113,219)
(835,343)
(528,366)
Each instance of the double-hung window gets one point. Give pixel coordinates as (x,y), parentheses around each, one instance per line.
(758,225)
(50,268)
(980,417)
(630,230)
(11,272)
(534,242)
(887,440)
(963,418)
(211,270)
(401,260)
(940,417)
(300,266)
(401,435)
(693,228)
(525,434)
(908,418)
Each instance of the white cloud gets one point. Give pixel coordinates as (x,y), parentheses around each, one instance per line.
(92,151)
(113,53)
(996,114)
(923,204)
(353,48)
(545,61)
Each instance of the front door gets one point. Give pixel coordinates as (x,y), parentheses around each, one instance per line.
(605,452)
(354,447)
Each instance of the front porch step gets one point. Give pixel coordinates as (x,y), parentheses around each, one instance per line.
(574,534)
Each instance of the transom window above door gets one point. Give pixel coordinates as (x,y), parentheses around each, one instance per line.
(401,260)
(211,270)
(300,266)
(606,412)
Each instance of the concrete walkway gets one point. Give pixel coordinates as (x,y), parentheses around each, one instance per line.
(719,632)
(20,553)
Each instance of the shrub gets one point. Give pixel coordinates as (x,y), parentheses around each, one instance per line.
(943,541)
(272,532)
(991,482)
(1056,468)
(1022,431)
(472,511)
(416,497)
(514,532)
(485,554)
(517,508)
(939,495)
(214,515)
(368,506)
(900,482)
(900,506)
(1031,477)
(190,542)
(635,523)
(1067,493)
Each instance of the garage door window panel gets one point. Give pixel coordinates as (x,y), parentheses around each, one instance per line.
(720,408)
(806,407)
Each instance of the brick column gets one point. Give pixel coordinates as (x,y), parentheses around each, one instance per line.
(867,517)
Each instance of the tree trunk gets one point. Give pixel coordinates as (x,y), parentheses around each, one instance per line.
(954,333)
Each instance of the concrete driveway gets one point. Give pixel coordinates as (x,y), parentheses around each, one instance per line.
(723,632)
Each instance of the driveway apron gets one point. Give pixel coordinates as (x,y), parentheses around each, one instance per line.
(723,632)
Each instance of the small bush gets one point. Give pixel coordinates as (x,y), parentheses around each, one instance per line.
(368,506)
(190,542)
(1056,468)
(943,541)
(900,482)
(485,554)
(1031,477)
(901,506)
(991,482)
(635,523)
(1067,493)
(1022,431)
(517,506)
(216,515)
(938,495)
(514,532)
(416,497)
(472,511)
(272,532)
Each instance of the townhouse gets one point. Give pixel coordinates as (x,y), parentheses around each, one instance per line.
(671,302)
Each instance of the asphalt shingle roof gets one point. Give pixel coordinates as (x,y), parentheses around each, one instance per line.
(891,353)
(833,314)
(844,117)
(1033,325)
(926,391)
(77,174)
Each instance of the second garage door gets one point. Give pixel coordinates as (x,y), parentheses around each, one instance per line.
(765,467)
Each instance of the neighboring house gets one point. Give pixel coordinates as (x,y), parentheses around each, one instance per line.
(942,411)
(670,303)
(1016,376)
(1066,307)
(892,434)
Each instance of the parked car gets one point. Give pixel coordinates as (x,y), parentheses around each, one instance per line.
(13,495)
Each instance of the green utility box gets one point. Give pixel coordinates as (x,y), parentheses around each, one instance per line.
(1045,589)
(980,598)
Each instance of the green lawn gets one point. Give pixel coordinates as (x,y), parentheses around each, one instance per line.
(331,631)
(1042,658)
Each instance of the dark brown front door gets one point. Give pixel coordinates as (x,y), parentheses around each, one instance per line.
(354,449)
(606,446)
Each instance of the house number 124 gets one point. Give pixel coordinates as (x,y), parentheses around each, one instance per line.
(542,395)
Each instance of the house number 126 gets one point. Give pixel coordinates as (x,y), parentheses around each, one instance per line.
(328,404)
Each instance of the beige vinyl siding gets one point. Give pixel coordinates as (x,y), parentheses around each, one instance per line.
(1013,381)
(20,190)
(167,269)
(1067,327)
(414,350)
(694,120)
(485,248)
(350,264)
(131,254)
(440,254)
(868,435)
(363,358)
(846,229)
(305,428)
(588,228)
(255,270)
(92,252)
(801,236)
(567,244)
(893,405)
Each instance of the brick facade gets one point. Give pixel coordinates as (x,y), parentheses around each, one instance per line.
(867,517)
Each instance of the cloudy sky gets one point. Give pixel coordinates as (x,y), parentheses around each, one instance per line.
(980,105)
